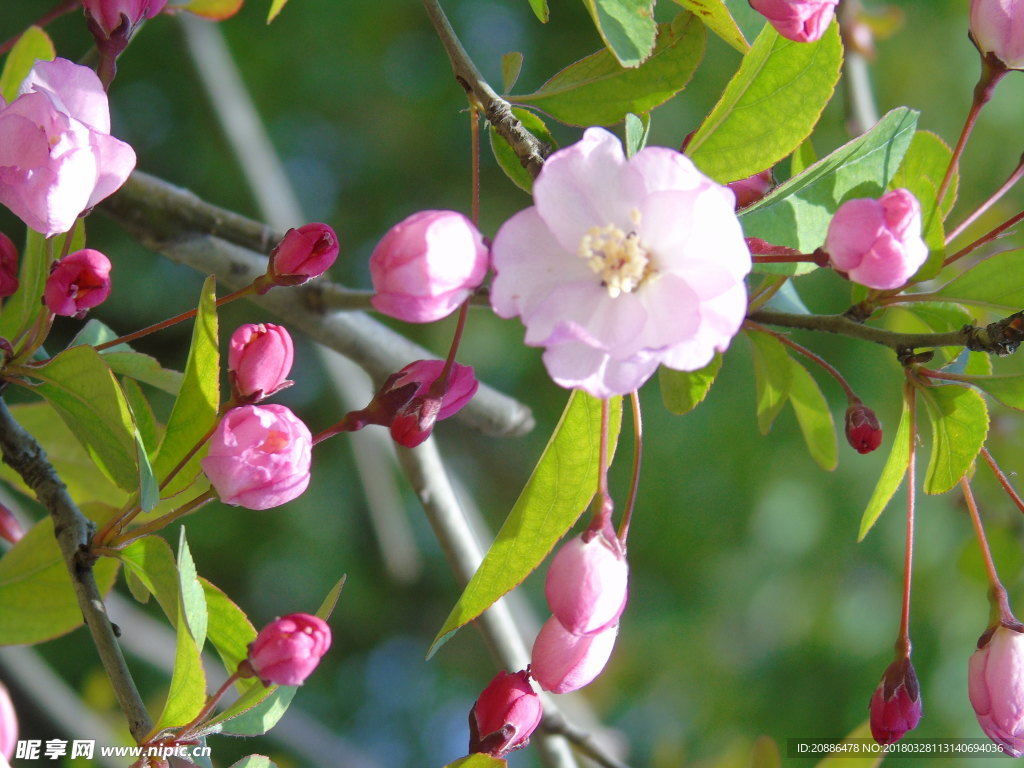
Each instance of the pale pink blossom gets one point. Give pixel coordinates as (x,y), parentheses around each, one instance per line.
(877,243)
(110,15)
(505,715)
(995,684)
(259,359)
(427,265)
(259,456)
(622,265)
(57,157)
(288,649)
(586,583)
(8,725)
(78,282)
(997,27)
(802,21)
(563,662)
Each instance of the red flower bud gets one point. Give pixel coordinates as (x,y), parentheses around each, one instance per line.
(120,16)
(8,266)
(414,419)
(863,431)
(77,283)
(288,649)
(259,359)
(751,189)
(505,715)
(303,254)
(895,706)
(10,527)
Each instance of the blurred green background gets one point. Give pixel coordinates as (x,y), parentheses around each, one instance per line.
(753,610)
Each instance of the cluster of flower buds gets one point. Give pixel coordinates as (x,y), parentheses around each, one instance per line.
(287,650)
(505,715)
(995,684)
(8,266)
(895,706)
(802,21)
(427,265)
(586,590)
(302,254)
(77,283)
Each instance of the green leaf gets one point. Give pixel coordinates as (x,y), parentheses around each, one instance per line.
(327,606)
(478,760)
(275,8)
(992,283)
(1008,389)
(797,213)
(37,601)
(540,10)
(215,10)
(769,107)
(921,172)
(682,391)
(892,475)
(562,484)
(33,45)
(773,376)
(507,158)
(255,761)
(125,361)
(83,391)
(151,563)
(626,26)
(596,90)
(717,18)
(814,417)
(637,129)
(803,157)
(193,597)
(854,758)
(229,629)
(21,310)
(142,414)
(195,409)
(257,711)
(959,420)
(511,66)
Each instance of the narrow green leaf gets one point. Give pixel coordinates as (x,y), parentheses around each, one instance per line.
(187,692)
(327,606)
(125,361)
(33,45)
(37,601)
(275,8)
(540,10)
(717,18)
(478,760)
(21,310)
(83,391)
(892,475)
(597,90)
(195,410)
(992,283)
(257,711)
(229,629)
(682,391)
(561,486)
(959,420)
(151,561)
(215,10)
(255,761)
(511,66)
(769,107)
(796,214)
(193,598)
(507,159)
(626,26)
(637,129)
(814,417)
(1008,389)
(773,376)
(142,414)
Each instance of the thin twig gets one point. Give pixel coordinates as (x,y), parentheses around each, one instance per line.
(73,531)
(582,740)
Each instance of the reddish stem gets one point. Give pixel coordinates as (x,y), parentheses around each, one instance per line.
(123,540)
(638,450)
(997,592)
(984,239)
(903,640)
(850,394)
(996,196)
(1003,480)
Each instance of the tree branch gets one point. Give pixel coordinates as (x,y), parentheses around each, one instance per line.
(530,150)
(73,531)
(178,224)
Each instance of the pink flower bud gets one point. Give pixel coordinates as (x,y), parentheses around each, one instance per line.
(863,432)
(288,649)
(997,28)
(586,583)
(751,189)
(77,283)
(10,527)
(8,266)
(878,243)
(995,684)
(303,254)
(505,715)
(895,706)
(414,420)
(802,21)
(8,724)
(427,265)
(259,359)
(259,456)
(563,662)
(121,16)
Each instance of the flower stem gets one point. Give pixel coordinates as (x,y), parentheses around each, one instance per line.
(1003,480)
(638,450)
(1007,185)
(997,592)
(984,239)
(118,542)
(185,734)
(850,395)
(903,641)
(61,8)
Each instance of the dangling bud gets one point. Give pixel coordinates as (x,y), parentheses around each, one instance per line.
(563,662)
(995,684)
(413,420)
(997,29)
(505,715)
(586,583)
(863,432)
(896,704)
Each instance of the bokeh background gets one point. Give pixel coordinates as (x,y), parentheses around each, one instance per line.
(753,609)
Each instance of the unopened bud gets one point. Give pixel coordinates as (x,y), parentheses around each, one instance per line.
(751,189)
(863,431)
(563,662)
(8,266)
(77,283)
(895,706)
(288,649)
(997,28)
(10,527)
(995,684)
(586,583)
(302,254)
(505,715)
(259,359)
(414,418)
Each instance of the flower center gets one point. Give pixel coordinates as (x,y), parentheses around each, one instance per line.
(618,257)
(276,442)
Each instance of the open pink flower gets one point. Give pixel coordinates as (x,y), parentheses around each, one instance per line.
(622,265)
(995,684)
(57,156)
(802,21)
